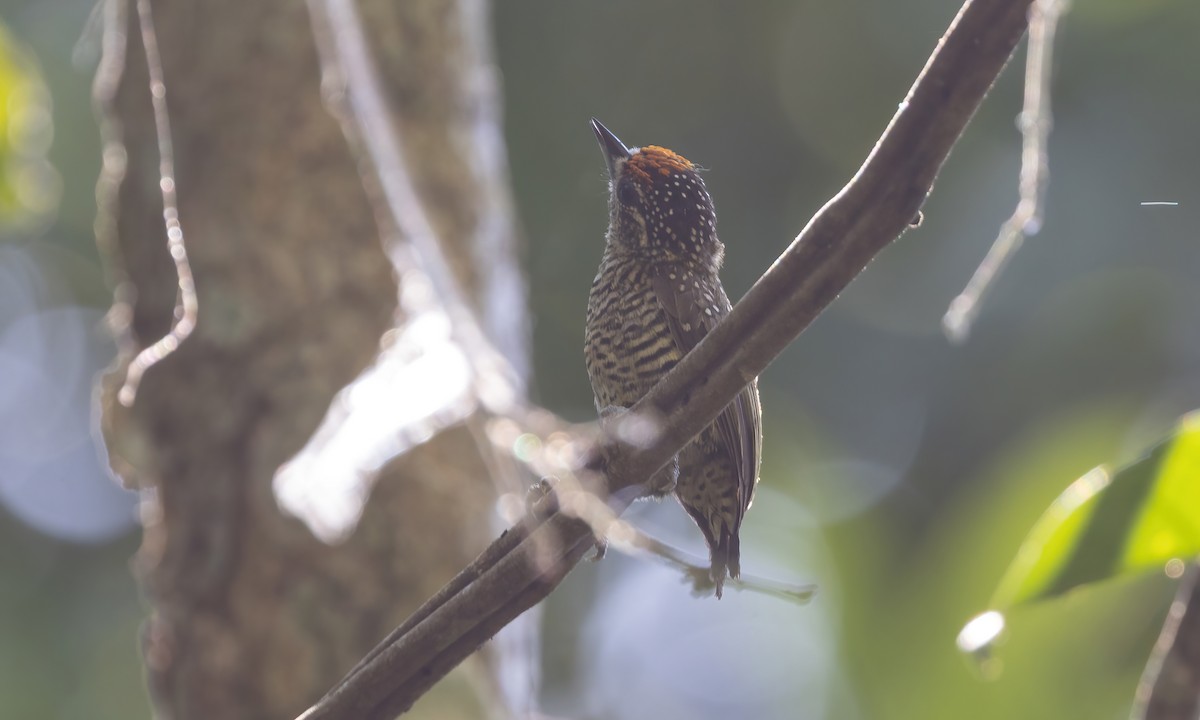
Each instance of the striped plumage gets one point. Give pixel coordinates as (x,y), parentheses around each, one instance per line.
(657,293)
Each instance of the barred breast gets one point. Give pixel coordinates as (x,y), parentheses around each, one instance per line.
(628,344)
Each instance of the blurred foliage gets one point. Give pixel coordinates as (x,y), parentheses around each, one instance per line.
(28,187)
(899,472)
(1106,525)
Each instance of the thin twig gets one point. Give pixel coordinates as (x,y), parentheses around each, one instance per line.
(1170,685)
(187,305)
(872,210)
(352,89)
(1034,123)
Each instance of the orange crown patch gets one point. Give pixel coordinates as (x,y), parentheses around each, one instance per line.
(654,160)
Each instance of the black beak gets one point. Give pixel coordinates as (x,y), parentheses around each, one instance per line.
(613,148)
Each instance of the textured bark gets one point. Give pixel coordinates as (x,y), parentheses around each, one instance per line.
(252,617)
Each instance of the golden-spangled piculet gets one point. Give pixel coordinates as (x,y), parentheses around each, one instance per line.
(656,295)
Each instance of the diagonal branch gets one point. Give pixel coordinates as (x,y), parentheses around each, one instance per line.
(859,222)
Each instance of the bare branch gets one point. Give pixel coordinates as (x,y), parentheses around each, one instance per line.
(1035,123)
(873,209)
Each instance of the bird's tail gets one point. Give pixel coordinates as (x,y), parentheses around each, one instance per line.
(726,559)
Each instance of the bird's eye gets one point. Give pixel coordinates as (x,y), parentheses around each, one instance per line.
(627,193)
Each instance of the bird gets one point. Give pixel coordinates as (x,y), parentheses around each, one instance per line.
(656,295)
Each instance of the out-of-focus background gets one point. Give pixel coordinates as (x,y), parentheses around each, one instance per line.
(900,472)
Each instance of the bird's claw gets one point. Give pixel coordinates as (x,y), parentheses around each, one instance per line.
(540,500)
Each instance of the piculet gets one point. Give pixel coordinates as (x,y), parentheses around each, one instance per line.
(657,293)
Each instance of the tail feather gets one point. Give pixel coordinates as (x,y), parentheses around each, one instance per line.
(724,545)
(726,559)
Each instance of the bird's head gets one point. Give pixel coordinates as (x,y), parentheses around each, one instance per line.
(658,205)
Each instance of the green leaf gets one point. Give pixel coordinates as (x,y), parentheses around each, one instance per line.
(1106,524)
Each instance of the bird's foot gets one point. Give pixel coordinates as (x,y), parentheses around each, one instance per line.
(600,549)
(540,500)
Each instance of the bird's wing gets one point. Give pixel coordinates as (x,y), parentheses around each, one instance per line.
(740,424)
